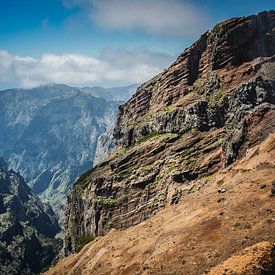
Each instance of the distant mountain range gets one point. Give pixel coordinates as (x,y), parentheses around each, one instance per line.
(50,133)
(111,94)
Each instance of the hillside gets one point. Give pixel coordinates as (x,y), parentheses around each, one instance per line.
(185,137)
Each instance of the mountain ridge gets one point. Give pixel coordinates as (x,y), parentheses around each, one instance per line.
(199,116)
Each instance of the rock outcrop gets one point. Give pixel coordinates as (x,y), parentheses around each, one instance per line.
(49,134)
(27,227)
(198,116)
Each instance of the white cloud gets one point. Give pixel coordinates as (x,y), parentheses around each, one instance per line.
(175,18)
(111,68)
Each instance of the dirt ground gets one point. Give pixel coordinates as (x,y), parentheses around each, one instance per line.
(257,259)
(199,233)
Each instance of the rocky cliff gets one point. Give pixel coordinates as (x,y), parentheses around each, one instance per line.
(27,227)
(200,115)
(50,134)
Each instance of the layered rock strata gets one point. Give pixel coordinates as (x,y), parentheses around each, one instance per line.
(197,117)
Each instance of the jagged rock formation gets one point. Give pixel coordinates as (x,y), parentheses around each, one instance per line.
(50,134)
(27,227)
(202,231)
(198,116)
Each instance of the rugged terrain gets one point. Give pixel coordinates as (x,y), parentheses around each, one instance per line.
(200,115)
(189,183)
(50,134)
(198,233)
(27,227)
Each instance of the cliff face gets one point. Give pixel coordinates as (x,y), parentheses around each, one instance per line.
(49,134)
(200,115)
(27,227)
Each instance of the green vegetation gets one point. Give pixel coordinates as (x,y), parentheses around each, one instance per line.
(152,136)
(149,136)
(85,175)
(194,188)
(81,242)
(216,97)
(167,109)
(107,202)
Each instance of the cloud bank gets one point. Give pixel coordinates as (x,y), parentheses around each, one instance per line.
(163,17)
(111,68)
(174,18)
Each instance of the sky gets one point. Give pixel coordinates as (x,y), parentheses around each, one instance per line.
(103,42)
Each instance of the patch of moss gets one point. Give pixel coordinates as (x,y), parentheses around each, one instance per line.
(107,202)
(216,97)
(149,136)
(85,175)
(165,109)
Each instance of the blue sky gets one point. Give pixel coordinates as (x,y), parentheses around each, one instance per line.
(124,40)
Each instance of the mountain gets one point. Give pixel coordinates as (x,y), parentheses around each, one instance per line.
(112,94)
(50,134)
(199,135)
(27,227)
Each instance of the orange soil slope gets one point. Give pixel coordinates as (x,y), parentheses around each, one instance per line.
(257,259)
(199,233)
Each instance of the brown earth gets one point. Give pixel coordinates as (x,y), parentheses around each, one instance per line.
(257,259)
(200,232)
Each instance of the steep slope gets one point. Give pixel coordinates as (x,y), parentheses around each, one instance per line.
(50,134)
(200,115)
(27,227)
(201,231)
